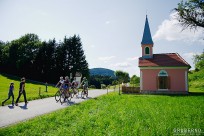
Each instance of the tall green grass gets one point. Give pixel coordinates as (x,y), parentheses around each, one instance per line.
(196,81)
(32,89)
(121,115)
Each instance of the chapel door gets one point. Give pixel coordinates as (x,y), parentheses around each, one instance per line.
(163,82)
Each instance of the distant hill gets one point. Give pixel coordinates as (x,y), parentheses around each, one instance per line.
(102,71)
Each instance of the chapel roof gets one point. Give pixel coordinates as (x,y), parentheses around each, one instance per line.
(164,60)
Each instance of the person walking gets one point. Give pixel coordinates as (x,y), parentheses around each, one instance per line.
(10,94)
(22,91)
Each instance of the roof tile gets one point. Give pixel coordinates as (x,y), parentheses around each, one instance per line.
(166,59)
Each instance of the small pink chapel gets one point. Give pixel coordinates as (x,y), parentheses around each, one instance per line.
(161,73)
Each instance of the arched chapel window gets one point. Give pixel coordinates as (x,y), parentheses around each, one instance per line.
(146,50)
(163,80)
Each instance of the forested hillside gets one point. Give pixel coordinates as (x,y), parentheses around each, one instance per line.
(102,72)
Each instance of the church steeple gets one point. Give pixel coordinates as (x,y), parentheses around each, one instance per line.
(147,43)
(147,38)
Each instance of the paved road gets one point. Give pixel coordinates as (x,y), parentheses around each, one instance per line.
(11,115)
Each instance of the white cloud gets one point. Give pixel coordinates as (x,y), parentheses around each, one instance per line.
(191,54)
(122,65)
(107,22)
(171,30)
(92,46)
(106,59)
(133,58)
(189,58)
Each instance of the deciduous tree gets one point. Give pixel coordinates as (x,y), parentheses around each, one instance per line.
(122,76)
(191,13)
(134,80)
(199,61)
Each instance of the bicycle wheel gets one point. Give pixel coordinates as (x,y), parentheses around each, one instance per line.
(87,93)
(70,96)
(72,93)
(62,97)
(75,92)
(82,94)
(57,96)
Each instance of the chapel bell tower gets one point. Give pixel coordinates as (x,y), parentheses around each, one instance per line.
(147,43)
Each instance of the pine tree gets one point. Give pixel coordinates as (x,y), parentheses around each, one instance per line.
(2,45)
(45,61)
(78,58)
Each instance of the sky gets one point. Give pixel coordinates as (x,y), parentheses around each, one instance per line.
(110,30)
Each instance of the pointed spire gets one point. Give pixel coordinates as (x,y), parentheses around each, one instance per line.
(147,38)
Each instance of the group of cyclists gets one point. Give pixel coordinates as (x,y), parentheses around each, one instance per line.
(66,85)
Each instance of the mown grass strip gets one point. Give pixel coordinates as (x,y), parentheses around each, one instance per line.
(115,114)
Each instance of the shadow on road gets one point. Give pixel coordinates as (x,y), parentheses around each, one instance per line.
(24,107)
(70,102)
(11,107)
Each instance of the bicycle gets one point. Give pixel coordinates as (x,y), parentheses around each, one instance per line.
(65,95)
(74,91)
(58,94)
(84,92)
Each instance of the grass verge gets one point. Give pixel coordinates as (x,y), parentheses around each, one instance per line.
(115,114)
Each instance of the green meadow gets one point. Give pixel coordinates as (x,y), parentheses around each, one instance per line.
(113,114)
(121,115)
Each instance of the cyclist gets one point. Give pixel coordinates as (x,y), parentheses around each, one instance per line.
(85,84)
(74,85)
(60,83)
(66,85)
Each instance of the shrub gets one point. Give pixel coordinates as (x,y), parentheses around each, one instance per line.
(103,86)
(92,86)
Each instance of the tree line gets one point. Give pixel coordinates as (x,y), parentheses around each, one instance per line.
(199,61)
(96,81)
(44,61)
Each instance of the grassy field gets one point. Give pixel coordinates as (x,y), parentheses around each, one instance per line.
(196,81)
(32,89)
(115,114)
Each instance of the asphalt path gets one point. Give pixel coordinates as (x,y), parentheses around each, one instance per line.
(13,114)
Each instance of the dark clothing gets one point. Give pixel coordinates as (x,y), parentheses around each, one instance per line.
(11,89)
(66,84)
(10,94)
(22,91)
(19,95)
(21,85)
